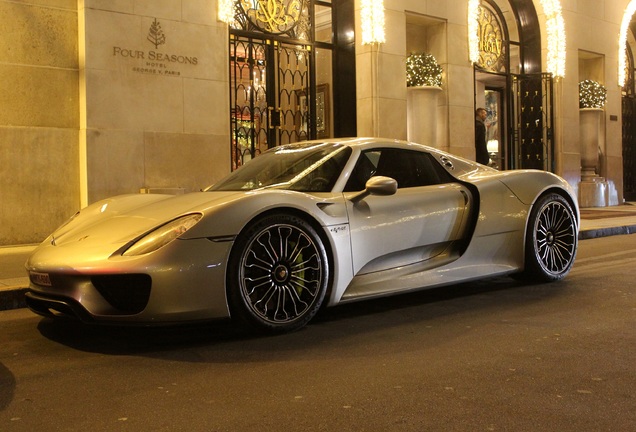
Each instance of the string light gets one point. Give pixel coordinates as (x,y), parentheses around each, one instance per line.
(622,42)
(225,11)
(473,30)
(423,70)
(591,94)
(555,29)
(372,21)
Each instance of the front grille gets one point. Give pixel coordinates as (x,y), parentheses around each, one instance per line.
(129,293)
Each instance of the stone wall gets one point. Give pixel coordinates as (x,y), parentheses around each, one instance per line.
(155,102)
(138,100)
(39,118)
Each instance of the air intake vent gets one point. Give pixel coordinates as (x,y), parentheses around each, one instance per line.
(129,292)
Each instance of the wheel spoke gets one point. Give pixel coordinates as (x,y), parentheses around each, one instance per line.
(261,304)
(295,301)
(263,282)
(284,241)
(266,266)
(266,244)
(298,250)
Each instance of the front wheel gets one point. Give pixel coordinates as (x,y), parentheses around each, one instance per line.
(551,239)
(278,274)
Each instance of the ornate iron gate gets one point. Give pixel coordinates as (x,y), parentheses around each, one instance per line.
(629,147)
(531,122)
(270,84)
(249,100)
(271,69)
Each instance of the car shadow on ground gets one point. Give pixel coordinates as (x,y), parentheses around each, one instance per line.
(330,325)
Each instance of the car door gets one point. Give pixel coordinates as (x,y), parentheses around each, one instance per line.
(417,223)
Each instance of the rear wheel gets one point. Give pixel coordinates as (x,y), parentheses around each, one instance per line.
(278,274)
(551,239)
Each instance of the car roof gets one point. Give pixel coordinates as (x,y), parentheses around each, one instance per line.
(366,142)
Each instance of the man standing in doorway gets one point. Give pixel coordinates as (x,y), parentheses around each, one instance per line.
(481,151)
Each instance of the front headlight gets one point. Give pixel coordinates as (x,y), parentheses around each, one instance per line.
(162,235)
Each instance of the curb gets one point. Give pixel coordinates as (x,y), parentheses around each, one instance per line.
(607,232)
(12,298)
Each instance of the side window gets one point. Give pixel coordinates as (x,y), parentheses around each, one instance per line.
(409,168)
(429,172)
(365,168)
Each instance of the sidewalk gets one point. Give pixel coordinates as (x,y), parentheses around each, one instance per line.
(595,222)
(608,221)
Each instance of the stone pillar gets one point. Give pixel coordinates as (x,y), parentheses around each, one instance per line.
(422,114)
(593,190)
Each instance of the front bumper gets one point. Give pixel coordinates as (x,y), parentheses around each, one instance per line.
(184,281)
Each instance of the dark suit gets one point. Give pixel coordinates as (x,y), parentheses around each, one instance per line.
(481,151)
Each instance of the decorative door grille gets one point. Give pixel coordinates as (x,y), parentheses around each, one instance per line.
(293,85)
(249,99)
(629,147)
(531,122)
(269,97)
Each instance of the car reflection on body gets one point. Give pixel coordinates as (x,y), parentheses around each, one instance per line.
(303,226)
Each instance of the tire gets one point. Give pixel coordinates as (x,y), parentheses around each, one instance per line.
(278,274)
(551,240)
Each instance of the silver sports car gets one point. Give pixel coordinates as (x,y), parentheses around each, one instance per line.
(301,227)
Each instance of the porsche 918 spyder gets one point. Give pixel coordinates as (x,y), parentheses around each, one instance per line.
(305,226)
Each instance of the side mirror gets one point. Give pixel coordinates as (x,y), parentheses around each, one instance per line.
(377,185)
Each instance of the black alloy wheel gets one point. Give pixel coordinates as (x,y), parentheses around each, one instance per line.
(552,239)
(278,274)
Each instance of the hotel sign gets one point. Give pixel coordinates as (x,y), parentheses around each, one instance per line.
(154,61)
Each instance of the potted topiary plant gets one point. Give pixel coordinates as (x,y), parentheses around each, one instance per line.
(423,70)
(592,94)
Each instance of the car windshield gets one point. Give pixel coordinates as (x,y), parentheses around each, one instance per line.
(300,167)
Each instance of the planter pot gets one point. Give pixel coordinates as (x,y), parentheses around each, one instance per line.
(422,114)
(590,138)
(593,190)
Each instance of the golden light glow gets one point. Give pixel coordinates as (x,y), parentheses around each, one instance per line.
(372,21)
(225,11)
(555,28)
(622,42)
(473,30)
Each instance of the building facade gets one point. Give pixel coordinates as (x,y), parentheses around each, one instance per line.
(107,97)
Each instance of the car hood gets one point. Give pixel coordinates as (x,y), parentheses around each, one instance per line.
(118,220)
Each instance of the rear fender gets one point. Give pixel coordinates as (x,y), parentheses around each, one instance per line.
(528,185)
